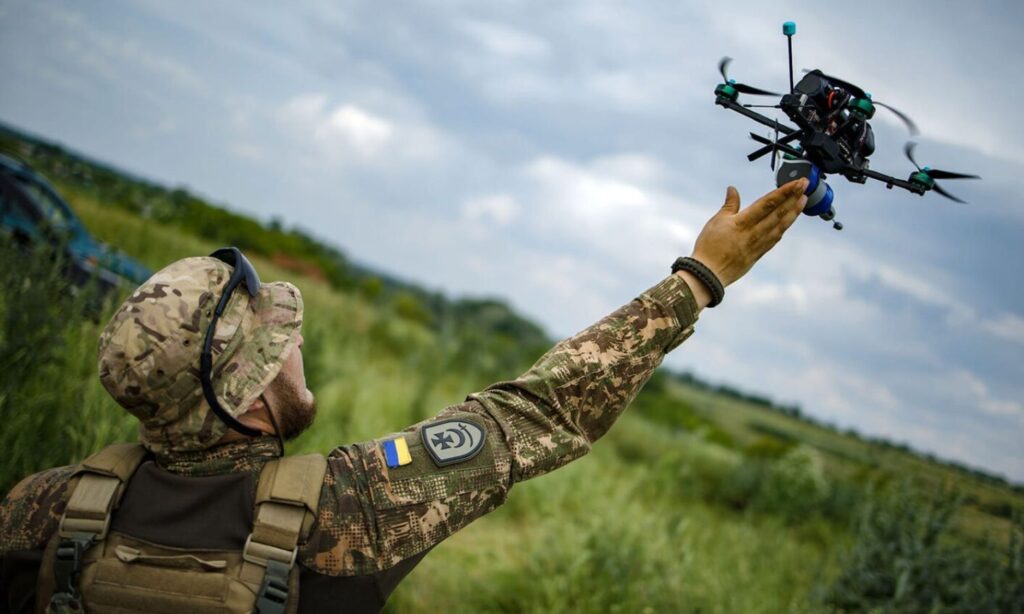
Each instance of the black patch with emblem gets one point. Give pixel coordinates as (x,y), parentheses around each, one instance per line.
(453,440)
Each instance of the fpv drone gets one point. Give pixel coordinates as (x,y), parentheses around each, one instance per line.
(832,136)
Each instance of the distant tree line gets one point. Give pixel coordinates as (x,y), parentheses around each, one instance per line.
(794,411)
(466,323)
(483,320)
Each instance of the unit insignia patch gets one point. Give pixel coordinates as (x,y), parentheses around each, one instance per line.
(453,441)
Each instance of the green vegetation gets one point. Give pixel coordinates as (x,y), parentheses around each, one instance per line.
(701,499)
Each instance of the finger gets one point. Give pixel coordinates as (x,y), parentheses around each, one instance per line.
(771,201)
(732,201)
(770,231)
(783,216)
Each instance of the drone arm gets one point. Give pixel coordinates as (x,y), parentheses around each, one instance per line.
(892,181)
(757,117)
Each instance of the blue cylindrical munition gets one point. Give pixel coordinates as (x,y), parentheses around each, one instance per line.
(819,193)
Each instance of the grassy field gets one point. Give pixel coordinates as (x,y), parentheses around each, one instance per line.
(850,457)
(695,502)
(598,533)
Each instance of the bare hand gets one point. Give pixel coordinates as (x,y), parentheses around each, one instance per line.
(733,240)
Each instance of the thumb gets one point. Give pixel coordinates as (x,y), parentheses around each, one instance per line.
(732,201)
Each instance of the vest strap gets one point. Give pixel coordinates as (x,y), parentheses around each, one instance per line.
(273,595)
(100,483)
(287,497)
(88,509)
(119,460)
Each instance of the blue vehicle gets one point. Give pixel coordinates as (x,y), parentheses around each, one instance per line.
(33,214)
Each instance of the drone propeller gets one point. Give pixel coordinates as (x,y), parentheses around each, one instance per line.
(903,116)
(775,150)
(775,146)
(741,87)
(932,174)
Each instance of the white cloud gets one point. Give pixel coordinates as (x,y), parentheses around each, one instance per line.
(792,294)
(497,208)
(917,288)
(304,112)
(1007,326)
(248,151)
(504,41)
(116,56)
(559,159)
(844,396)
(348,132)
(587,193)
(976,393)
(610,208)
(365,132)
(632,166)
(1002,407)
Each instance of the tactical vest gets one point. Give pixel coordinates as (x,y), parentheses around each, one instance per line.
(95,569)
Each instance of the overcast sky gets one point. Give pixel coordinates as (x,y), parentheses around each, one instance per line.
(561,155)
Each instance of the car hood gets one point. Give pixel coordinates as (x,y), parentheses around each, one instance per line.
(84,247)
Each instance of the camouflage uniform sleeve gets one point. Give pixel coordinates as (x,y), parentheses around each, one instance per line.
(30,513)
(374,514)
(571,397)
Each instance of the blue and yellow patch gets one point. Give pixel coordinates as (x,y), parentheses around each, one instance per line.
(396,452)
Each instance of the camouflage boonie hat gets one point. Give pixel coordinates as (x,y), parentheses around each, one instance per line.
(149,351)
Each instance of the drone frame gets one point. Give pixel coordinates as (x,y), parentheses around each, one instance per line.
(852,173)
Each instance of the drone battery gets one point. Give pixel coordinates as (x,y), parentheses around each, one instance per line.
(819,193)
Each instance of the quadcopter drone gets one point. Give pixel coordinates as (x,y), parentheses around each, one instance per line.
(833,135)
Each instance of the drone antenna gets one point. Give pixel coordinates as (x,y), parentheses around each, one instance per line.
(789,29)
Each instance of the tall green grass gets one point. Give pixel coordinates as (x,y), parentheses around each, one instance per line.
(678,509)
(52,407)
(906,559)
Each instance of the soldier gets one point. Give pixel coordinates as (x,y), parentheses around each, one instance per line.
(203,516)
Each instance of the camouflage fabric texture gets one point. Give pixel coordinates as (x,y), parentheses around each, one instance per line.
(372,515)
(149,351)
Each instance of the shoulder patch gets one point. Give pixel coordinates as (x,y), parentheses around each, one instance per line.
(453,441)
(396,452)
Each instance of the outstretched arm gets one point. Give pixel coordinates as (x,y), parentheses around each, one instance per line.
(396,497)
(571,397)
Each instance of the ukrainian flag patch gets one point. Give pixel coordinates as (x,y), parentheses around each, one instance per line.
(396,452)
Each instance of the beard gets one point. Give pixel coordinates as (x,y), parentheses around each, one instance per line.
(296,410)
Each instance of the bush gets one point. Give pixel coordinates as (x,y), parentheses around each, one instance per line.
(741,487)
(768,447)
(794,486)
(907,558)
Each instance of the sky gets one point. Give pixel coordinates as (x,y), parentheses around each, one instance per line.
(560,156)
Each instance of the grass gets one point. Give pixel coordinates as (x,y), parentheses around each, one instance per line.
(704,515)
(855,459)
(604,536)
